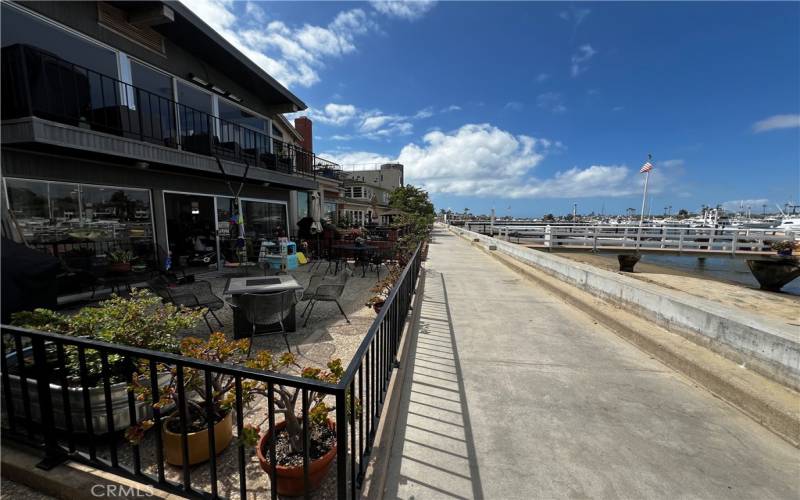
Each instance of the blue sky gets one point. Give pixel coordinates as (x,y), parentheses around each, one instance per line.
(529,107)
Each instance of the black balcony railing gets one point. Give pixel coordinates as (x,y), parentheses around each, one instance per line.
(59,408)
(37,83)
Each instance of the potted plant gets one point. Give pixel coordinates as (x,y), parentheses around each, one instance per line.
(783,247)
(120,261)
(383,288)
(141,320)
(193,401)
(288,437)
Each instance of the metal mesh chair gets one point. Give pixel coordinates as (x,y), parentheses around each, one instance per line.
(265,310)
(325,291)
(195,295)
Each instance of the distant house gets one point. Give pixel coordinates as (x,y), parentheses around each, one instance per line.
(366,194)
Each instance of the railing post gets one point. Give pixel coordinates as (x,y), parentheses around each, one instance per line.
(548,242)
(682,231)
(594,239)
(733,242)
(53,454)
(341,445)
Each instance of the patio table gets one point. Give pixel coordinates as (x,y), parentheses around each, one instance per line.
(269,284)
(361,253)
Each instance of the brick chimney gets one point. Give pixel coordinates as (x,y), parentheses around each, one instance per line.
(303,125)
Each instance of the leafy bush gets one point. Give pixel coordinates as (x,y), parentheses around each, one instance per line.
(139,321)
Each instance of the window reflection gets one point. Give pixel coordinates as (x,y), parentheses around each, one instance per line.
(64,219)
(157,113)
(263,221)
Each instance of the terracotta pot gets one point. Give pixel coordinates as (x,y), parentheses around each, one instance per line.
(377,306)
(199,450)
(290,479)
(120,267)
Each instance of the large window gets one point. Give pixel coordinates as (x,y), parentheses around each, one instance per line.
(66,219)
(260,221)
(19,27)
(157,113)
(302,204)
(194,111)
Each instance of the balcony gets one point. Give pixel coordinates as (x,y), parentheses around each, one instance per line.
(38,84)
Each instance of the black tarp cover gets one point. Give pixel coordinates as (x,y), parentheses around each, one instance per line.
(28,279)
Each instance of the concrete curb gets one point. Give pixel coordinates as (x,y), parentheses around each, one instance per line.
(765,345)
(72,480)
(769,403)
(374,484)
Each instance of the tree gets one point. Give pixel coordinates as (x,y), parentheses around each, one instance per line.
(416,214)
(549,218)
(683,213)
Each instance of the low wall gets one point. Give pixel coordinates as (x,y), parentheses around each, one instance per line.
(767,346)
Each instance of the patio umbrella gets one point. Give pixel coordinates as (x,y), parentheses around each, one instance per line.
(316,211)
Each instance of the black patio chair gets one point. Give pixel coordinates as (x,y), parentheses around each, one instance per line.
(196,295)
(325,291)
(266,309)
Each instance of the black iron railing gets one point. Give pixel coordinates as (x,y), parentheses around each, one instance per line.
(44,406)
(37,83)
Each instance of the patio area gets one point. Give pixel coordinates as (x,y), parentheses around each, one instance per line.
(327,336)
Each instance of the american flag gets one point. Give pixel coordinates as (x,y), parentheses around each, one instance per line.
(646,167)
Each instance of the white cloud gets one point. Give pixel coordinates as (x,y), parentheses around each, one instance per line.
(334,114)
(670,163)
(741,205)
(409,10)
(617,108)
(777,122)
(292,55)
(370,124)
(356,158)
(514,106)
(575,16)
(542,77)
(484,160)
(580,58)
(551,101)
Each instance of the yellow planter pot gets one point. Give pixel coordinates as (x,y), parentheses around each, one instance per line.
(199,450)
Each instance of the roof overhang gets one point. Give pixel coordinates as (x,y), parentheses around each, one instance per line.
(194,35)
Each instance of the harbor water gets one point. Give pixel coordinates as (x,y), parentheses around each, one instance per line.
(734,270)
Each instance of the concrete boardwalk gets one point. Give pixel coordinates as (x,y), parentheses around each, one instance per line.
(512,394)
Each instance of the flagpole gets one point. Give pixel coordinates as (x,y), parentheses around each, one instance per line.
(644,200)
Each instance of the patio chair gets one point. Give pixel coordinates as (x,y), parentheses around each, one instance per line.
(326,291)
(265,309)
(195,295)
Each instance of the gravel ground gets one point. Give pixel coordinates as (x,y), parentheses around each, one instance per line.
(15,491)
(326,337)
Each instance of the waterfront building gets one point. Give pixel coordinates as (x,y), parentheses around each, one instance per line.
(116,120)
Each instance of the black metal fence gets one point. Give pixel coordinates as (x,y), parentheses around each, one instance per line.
(38,83)
(52,401)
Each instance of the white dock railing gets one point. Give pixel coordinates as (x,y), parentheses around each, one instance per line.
(671,239)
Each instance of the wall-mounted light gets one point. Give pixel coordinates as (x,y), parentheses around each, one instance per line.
(218,90)
(196,79)
(233,97)
(195,208)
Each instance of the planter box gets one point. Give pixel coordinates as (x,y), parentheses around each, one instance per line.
(97,402)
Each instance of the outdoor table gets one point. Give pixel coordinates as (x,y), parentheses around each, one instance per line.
(361,253)
(269,284)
